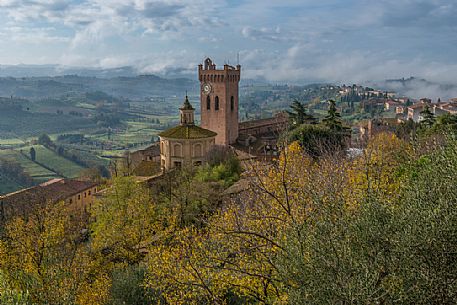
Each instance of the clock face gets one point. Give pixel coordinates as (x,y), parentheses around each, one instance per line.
(206,88)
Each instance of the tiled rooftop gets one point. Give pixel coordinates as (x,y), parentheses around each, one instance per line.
(51,191)
(187,132)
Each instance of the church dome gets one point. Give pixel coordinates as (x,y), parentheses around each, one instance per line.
(187,132)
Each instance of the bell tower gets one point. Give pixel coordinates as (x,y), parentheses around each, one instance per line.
(219,100)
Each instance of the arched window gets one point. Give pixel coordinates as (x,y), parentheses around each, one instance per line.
(198,150)
(177,150)
(232,103)
(208,103)
(216,103)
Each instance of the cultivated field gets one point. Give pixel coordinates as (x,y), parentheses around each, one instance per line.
(56,163)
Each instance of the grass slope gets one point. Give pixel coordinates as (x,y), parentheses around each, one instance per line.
(8,186)
(38,173)
(55,162)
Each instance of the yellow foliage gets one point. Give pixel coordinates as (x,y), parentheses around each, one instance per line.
(41,254)
(373,174)
(242,244)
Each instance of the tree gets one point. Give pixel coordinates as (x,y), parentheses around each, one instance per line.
(428,117)
(407,130)
(333,118)
(284,237)
(317,140)
(446,123)
(299,115)
(11,296)
(32,154)
(127,287)
(45,140)
(125,221)
(43,254)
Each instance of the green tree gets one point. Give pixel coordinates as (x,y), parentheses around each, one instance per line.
(10,296)
(317,140)
(447,122)
(45,140)
(428,117)
(127,287)
(299,115)
(333,118)
(32,154)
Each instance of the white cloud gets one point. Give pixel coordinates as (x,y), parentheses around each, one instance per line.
(282,40)
(268,34)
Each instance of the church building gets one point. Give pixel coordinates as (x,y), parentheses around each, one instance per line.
(185,145)
(188,144)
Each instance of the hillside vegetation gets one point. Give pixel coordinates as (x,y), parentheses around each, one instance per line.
(377,228)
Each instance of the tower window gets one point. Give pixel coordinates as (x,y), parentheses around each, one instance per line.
(232,103)
(208,103)
(216,103)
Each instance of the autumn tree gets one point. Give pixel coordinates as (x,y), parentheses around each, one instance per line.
(43,254)
(125,221)
(272,245)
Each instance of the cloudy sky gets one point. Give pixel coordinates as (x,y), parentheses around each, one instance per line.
(279,40)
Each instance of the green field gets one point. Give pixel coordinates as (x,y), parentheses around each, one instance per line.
(57,163)
(11,141)
(7,186)
(38,173)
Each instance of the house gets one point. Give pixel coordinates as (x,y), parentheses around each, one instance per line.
(149,154)
(75,193)
(391,104)
(370,128)
(414,112)
(444,108)
(400,109)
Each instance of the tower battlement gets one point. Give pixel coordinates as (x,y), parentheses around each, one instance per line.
(210,73)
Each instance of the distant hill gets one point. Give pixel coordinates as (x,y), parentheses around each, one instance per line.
(133,87)
(58,70)
(417,88)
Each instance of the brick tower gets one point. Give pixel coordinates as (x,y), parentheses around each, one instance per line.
(219,100)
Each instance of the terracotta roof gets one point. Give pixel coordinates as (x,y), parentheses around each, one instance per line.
(153,150)
(279,118)
(239,187)
(187,132)
(51,191)
(417,106)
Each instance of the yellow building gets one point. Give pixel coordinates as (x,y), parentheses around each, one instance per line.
(185,145)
